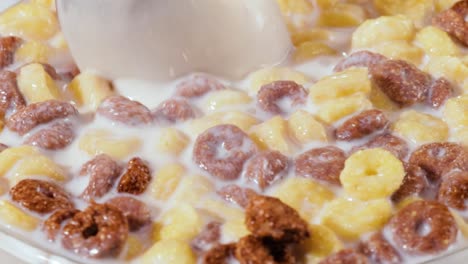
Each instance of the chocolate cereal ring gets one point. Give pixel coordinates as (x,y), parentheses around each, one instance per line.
(424,227)
(269,95)
(453,190)
(97,232)
(222,151)
(53,223)
(265,168)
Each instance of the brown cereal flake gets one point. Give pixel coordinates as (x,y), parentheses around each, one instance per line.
(345,256)
(137,212)
(53,224)
(362,124)
(265,168)
(453,21)
(379,250)
(269,95)
(220,254)
(54,137)
(208,237)
(360,59)
(123,110)
(198,85)
(323,164)
(136,179)
(256,250)
(102,171)
(397,146)
(268,217)
(8,46)
(40,196)
(174,110)
(440,91)
(237,195)
(401,81)
(453,190)
(10,96)
(27,118)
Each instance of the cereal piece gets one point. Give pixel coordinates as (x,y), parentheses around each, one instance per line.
(219,254)
(234,229)
(10,96)
(306,196)
(104,142)
(323,164)
(138,214)
(240,119)
(414,183)
(225,99)
(235,145)
(103,171)
(181,222)
(453,21)
(352,218)
(29,21)
(397,146)
(254,250)
(402,82)
(33,52)
(269,75)
(372,174)
(27,118)
(271,94)
(134,247)
(13,216)
(360,59)
(461,136)
(382,29)
(166,181)
(379,250)
(449,67)
(273,134)
(305,127)
(269,217)
(439,92)
(362,124)
(321,243)
(436,42)
(345,83)
(37,165)
(36,84)
(209,236)
(311,49)
(345,256)
(174,110)
(123,110)
(8,46)
(40,196)
(99,231)
(400,50)
(57,136)
(444,4)
(89,89)
(169,251)
(437,159)
(424,227)
(136,179)
(192,188)
(236,195)
(309,34)
(9,157)
(334,110)
(342,15)
(266,168)
(417,10)
(295,6)
(456,111)
(453,190)
(198,85)
(420,127)
(53,224)
(172,141)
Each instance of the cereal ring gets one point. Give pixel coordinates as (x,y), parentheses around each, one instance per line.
(269,95)
(345,256)
(10,96)
(255,250)
(220,254)
(453,21)
(8,46)
(103,171)
(57,136)
(401,81)
(136,179)
(27,118)
(379,250)
(424,227)
(137,213)
(123,110)
(174,110)
(439,92)
(53,223)
(437,159)
(234,194)
(453,190)
(265,168)
(40,196)
(198,85)
(209,236)
(222,151)
(389,142)
(362,124)
(414,183)
(360,59)
(269,217)
(99,231)
(323,164)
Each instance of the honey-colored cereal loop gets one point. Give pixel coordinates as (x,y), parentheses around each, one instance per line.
(236,145)
(453,191)
(397,146)
(424,227)
(269,95)
(360,59)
